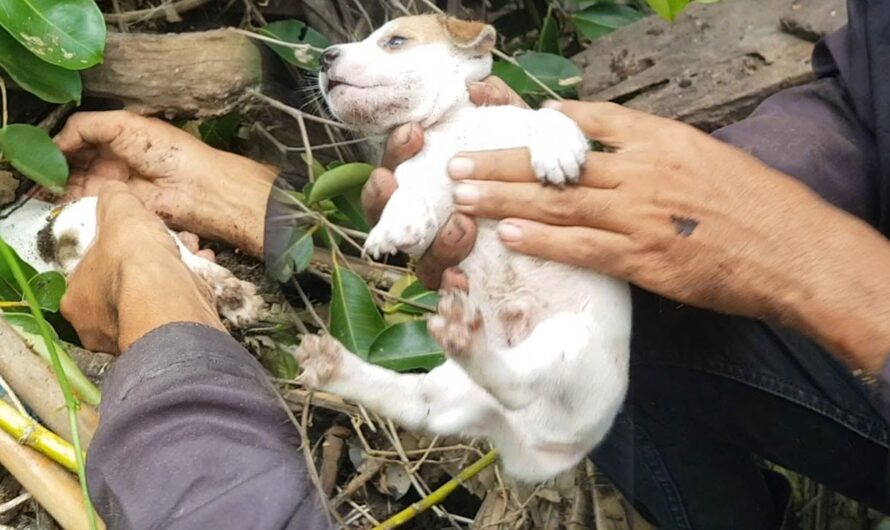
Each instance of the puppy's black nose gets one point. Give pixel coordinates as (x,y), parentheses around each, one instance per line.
(328,57)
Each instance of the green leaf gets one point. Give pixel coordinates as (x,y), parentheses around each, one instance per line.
(49,287)
(601,19)
(515,77)
(355,320)
(548,40)
(350,205)
(317,167)
(418,294)
(668,9)
(218,132)
(30,150)
(295,257)
(557,73)
(9,288)
(48,82)
(406,346)
(296,32)
(338,181)
(66,33)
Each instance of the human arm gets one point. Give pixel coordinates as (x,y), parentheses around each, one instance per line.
(191,433)
(215,194)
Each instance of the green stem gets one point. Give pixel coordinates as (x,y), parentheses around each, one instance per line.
(440,494)
(70,402)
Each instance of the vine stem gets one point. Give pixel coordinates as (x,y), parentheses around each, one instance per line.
(70,402)
(438,496)
(5,108)
(28,432)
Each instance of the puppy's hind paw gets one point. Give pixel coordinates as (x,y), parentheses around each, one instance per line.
(319,357)
(238,303)
(458,325)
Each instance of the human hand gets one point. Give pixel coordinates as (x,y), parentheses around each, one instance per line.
(191,185)
(131,279)
(458,235)
(684,215)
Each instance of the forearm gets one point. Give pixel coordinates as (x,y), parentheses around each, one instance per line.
(843,299)
(229,203)
(192,436)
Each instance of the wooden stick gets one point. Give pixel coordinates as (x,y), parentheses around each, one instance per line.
(53,487)
(28,432)
(33,381)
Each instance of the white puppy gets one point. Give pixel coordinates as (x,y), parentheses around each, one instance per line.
(538,351)
(50,237)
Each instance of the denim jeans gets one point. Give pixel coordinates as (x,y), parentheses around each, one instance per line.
(708,392)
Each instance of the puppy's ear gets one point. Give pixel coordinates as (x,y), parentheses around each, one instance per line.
(477,37)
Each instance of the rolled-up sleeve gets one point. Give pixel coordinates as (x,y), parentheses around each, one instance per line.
(192,435)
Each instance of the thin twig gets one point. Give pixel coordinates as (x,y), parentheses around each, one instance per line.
(11,505)
(142,15)
(274,103)
(5,109)
(304,47)
(14,398)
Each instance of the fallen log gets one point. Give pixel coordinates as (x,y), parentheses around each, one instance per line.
(200,74)
(714,64)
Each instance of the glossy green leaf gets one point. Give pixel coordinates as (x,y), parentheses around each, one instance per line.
(218,132)
(50,83)
(49,287)
(601,19)
(66,33)
(339,180)
(406,346)
(514,76)
(548,39)
(418,294)
(295,257)
(9,288)
(350,205)
(668,9)
(296,32)
(30,150)
(355,319)
(558,73)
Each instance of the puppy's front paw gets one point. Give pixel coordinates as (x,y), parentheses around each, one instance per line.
(320,357)
(457,326)
(237,302)
(558,149)
(403,227)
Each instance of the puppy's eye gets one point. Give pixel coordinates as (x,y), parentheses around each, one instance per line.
(396,41)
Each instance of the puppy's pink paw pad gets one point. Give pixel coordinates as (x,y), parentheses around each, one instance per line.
(457,325)
(319,357)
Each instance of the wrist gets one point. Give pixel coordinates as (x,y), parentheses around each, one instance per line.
(844,300)
(229,202)
(154,293)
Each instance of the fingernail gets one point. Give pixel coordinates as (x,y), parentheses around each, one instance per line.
(461,168)
(509,233)
(403,134)
(466,194)
(455,231)
(552,104)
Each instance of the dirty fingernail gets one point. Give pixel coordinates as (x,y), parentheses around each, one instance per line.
(466,194)
(552,104)
(461,168)
(509,233)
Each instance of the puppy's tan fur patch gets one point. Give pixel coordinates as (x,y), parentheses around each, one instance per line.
(441,28)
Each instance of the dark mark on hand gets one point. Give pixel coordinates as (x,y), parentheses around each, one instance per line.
(685,226)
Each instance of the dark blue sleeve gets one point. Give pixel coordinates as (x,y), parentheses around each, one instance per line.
(192,436)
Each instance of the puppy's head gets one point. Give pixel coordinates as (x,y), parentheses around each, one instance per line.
(413,69)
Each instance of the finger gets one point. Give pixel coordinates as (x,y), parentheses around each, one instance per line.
(402,145)
(92,128)
(600,250)
(376,193)
(546,204)
(610,123)
(494,91)
(453,244)
(601,170)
